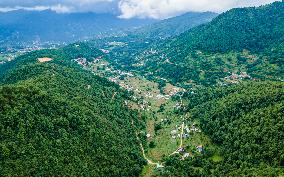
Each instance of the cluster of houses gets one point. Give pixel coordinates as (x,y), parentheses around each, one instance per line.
(151,52)
(105,51)
(98,59)
(235,77)
(149,95)
(144,105)
(115,43)
(121,73)
(172,93)
(167,96)
(160,97)
(186,133)
(125,86)
(113,79)
(182,151)
(121,84)
(192,129)
(10,56)
(116,80)
(178,105)
(82,61)
(176,91)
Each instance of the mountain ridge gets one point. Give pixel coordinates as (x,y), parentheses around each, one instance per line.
(175,25)
(204,54)
(49,26)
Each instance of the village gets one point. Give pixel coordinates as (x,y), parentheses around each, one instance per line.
(8,53)
(6,56)
(142,88)
(235,78)
(176,135)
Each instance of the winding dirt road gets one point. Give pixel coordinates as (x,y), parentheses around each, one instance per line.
(181,141)
(158,165)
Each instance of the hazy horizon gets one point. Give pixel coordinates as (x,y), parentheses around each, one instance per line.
(157,9)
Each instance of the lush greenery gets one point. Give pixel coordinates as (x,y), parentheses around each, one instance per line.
(254,29)
(246,122)
(241,40)
(57,119)
(202,57)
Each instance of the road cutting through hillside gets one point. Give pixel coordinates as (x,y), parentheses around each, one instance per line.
(143,151)
(181,142)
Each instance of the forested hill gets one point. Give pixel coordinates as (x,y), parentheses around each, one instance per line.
(242,40)
(176,25)
(245,121)
(57,119)
(254,29)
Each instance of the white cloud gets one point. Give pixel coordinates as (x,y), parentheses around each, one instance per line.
(61,6)
(61,9)
(6,9)
(167,8)
(57,8)
(130,8)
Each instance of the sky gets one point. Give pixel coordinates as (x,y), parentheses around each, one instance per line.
(158,9)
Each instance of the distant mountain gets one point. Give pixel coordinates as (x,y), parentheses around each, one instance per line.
(23,26)
(176,25)
(150,36)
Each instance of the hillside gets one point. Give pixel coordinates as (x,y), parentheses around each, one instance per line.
(254,29)
(135,42)
(56,118)
(176,25)
(245,123)
(244,40)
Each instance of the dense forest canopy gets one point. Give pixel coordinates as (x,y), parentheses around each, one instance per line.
(254,29)
(56,117)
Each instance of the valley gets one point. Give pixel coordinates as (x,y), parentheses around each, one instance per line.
(165,81)
(168,131)
(204,99)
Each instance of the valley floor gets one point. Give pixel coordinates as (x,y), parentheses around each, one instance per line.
(167,132)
